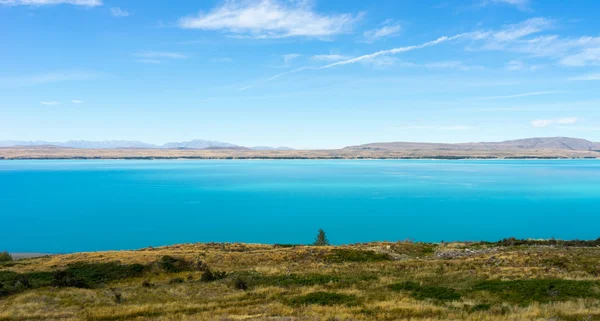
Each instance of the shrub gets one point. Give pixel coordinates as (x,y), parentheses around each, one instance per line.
(176,281)
(5,257)
(240,284)
(481,307)
(147,284)
(93,274)
(117,296)
(438,293)
(405,286)
(325,298)
(539,290)
(284,245)
(173,265)
(209,276)
(66,279)
(321,239)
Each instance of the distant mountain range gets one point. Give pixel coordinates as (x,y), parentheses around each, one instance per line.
(542,143)
(555,143)
(114,144)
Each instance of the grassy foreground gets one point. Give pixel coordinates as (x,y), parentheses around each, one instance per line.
(510,280)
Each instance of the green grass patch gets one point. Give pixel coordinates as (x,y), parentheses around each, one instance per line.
(325,298)
(349,255)
(254,279)
(524,292)
(405,286)
(85,275)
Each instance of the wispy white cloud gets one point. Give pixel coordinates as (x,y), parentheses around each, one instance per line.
(536,93)
(519,4)
(388,29)
(515,65)
(293,71)
(287,58)
(540,123)
(76,101)
(245,88)
(457,65)
(587,77)
(118,12)
(522,29)
(567,51)
(161,54)
(45,78)
(86,3)
(586,57)
(148,61)
(157,57)
(329,57)
(270,19)
(438,128)
(49,103)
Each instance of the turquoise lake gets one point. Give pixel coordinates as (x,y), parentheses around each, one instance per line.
(85,205)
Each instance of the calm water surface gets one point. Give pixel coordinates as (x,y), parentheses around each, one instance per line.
(65,206)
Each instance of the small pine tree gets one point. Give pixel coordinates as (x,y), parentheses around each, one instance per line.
(321,239)
(5,257)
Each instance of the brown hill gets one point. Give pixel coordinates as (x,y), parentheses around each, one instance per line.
(544,143)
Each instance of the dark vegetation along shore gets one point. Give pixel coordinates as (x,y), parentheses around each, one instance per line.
(507,280)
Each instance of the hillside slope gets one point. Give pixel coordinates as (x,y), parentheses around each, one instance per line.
(541,143)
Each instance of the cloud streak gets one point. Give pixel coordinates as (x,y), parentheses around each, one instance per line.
(118,12)
(392,51)
(46,78)
(270,19)
(541,123)
(389,29)
(589,77)
(535,93)
(86,3)
(50,103)
(161,54)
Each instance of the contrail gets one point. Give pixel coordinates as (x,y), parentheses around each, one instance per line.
(392,51)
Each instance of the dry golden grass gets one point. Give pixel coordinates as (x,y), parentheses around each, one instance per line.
(266,269)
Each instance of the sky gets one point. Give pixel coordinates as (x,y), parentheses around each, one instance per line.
(299,73)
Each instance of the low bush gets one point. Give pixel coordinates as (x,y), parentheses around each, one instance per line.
(176,281)
(172,264)
(539,290)
(240,284)
(511,241)
(480,307)
(85,275)
(325,298)
(209,276)
(284,245)
(5,257)
(147,284)
(438,293)
(405,286)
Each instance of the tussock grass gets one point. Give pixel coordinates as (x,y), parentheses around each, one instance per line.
(375,281)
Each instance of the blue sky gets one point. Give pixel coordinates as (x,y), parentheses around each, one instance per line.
(300,73)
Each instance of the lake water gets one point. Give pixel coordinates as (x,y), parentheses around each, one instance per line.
(75,205)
